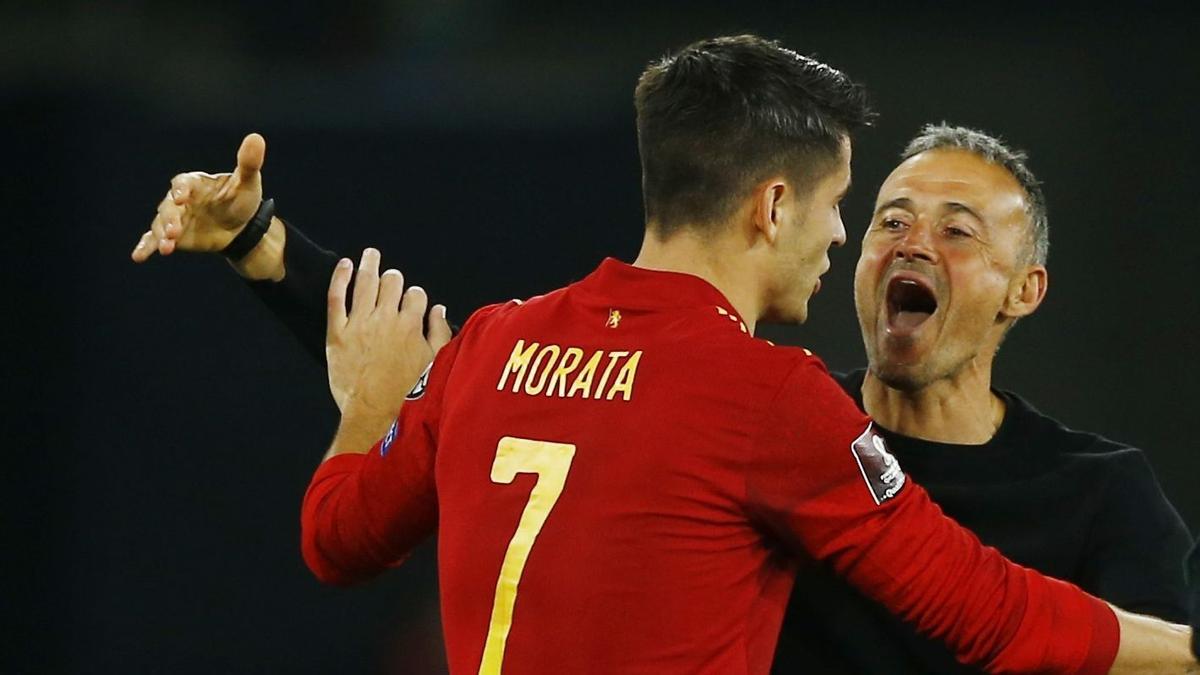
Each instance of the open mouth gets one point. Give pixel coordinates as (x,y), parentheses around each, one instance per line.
(910,303)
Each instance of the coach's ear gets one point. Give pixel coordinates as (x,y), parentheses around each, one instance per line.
(768,208)
(1025,292)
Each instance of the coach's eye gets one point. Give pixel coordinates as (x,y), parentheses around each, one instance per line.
(957,232)
(893,224)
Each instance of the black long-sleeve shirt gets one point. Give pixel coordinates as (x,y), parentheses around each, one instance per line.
(1069,504)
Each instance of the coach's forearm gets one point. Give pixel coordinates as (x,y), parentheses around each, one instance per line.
(265,261)
(297,294)
(1150,645)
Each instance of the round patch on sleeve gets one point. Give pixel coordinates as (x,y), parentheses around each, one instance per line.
(418,389)
(879,467)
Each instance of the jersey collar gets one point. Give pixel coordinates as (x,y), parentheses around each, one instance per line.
(643,288)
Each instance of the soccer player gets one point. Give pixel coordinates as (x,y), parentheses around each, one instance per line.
(954,255)
(619,473)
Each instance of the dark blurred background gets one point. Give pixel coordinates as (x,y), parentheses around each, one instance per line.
(162,429)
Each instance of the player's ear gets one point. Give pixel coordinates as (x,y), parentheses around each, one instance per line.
(1026,292)
(768,208)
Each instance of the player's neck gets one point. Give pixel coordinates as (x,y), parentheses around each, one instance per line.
(688,254)
(960,409)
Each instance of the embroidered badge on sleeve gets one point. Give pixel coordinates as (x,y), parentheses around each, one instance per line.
(879,467)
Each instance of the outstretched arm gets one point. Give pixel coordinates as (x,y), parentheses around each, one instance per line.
(298,299)
(203,212)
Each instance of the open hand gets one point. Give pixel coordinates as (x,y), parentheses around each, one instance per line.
(204,212)
(378,351)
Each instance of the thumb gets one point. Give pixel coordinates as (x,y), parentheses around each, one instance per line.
(250,159)
(439,332)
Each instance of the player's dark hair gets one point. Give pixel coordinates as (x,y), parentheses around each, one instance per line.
(722,114)
(995,151)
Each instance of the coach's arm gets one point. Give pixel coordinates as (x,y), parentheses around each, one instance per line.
(203,212)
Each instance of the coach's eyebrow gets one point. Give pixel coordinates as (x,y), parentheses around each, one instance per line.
(959,207)
(899,202)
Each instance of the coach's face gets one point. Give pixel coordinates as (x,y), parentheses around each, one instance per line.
(942,263)
(810,224)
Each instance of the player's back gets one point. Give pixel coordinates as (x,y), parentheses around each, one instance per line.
(604,465)
(591,487)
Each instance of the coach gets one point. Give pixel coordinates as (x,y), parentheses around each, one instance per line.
(954,255)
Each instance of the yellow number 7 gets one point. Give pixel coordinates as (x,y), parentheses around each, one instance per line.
(551,462)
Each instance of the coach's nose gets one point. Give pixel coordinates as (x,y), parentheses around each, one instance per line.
(917,244)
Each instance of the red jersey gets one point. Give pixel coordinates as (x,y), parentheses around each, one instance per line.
(622,480)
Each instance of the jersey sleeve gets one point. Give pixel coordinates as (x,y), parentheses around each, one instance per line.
(822,480)
(1134,552)
(364,513)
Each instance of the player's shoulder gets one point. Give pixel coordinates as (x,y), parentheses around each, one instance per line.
(793,363)
(509,310)
(752,358)
(800,384)
(712,337)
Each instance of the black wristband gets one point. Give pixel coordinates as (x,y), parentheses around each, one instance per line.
(252,233)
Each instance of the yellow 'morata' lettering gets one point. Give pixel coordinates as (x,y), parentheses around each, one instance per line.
(535,389)
(536,369)
(570,361)
(518,362)
(583,381)
(612,361)
(624,383)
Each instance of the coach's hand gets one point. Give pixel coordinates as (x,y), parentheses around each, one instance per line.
(378,351)
(203,212)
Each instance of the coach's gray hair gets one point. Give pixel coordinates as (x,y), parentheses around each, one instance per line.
(993,150)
